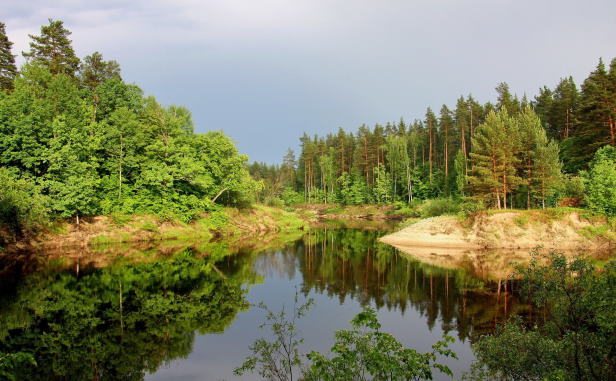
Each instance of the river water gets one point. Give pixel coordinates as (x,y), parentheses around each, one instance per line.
(189,315)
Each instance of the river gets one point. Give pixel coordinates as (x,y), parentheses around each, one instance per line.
(190,315)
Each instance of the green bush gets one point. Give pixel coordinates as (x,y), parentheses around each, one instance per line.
(470,208)
(577,341)
(439,207)
(573,187)
(22,208)
(601,182)
(291,197)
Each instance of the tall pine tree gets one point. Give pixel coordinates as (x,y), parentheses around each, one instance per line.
(8,70)
(53,49)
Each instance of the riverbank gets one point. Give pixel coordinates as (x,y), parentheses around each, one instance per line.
(487,244)
(238,228)
(232,224)
(557,229)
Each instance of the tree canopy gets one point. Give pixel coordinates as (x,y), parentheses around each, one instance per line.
(93,144)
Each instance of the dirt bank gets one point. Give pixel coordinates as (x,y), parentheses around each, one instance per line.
(351,212)
(512,230)
(231,225)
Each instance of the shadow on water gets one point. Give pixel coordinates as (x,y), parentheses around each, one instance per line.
(83,321)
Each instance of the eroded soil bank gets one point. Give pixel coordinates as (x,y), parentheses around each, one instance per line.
(489,244)
(512,230)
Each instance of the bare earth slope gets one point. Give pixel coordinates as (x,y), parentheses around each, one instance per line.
(488,245)
(502,230)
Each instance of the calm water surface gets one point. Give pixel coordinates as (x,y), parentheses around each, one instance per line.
(188,316)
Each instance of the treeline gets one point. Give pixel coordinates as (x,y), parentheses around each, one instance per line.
(513,153)
(89,143)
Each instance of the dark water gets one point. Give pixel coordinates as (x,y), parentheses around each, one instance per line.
(187,316)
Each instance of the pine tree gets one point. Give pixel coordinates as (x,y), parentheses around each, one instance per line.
(431,122)
(495,158)
(446,129)
(547,169)
(289,166)
(564,109)
(532,135)
(543,106)
(8,70)
(53,49)
(506,100)
(94,70)
(597,115)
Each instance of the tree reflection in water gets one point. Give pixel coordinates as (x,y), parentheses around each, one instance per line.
(123,321)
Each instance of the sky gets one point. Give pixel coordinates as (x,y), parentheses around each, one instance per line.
(266,71)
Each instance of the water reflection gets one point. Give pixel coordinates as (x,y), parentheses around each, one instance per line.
(352,264)
(87,322)
(115,323)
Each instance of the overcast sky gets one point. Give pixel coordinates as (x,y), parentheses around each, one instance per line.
(266,71)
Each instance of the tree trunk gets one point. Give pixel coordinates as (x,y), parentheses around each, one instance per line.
(543,193)
(613,131)
(430,150)
(218,195)
(528,182)
(504,191)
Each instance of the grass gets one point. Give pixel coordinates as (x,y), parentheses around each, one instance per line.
(408,222)
(522,220)
(605,232)
(121,219)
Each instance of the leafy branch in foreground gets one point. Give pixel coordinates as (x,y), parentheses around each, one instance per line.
(278,359)
(366,353)
(361,353)
(578,342)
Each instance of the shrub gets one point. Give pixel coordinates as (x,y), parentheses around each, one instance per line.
(576,343)
(439,207)
(290,197)
(470,208)
(22,208)
(601,182)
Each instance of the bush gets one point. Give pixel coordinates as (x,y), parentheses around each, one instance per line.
(577,341)
(290,197)
(363,352)
(470,208)
(601,182)
(439,207)
(22,208)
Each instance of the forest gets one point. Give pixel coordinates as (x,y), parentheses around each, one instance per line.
(513,153)
(76,140)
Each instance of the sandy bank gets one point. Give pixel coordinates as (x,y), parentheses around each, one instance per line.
(512,230)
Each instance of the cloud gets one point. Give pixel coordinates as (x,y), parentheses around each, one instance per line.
(266,71)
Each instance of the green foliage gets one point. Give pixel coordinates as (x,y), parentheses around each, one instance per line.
(362,353)
(278,359)
(114,323)
(8,70)
(601,182)
(290,197)
(53,49)
(469,208)
(22,208)
(95,145)
(573,187)
(367,353)
(439,207)
(11,362)
(382,186)
(94,71)
(575,343)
